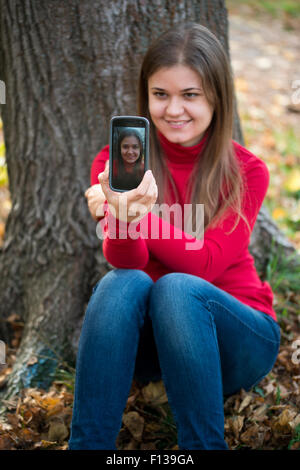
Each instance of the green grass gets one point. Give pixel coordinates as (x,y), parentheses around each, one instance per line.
(274,8)
(296,437)
(287,142)
(283,272)
(65,377)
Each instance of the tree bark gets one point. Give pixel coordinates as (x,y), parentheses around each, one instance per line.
(68,67)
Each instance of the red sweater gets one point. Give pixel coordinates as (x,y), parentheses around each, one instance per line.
(224,260)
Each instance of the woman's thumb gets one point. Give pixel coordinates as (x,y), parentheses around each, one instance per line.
(104,179)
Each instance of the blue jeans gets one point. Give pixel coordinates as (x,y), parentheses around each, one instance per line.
(204,343)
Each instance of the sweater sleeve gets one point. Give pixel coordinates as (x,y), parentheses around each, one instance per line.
(210,257)
(119,248)
(97,167)
(98,164)
(123,245)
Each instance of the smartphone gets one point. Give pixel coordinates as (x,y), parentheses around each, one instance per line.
(128,152)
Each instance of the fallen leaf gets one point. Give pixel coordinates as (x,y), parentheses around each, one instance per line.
(292,182)
(246,401)
(57,431)
(281,424)
(154,393)
(295,422)
(6,442)
(134,423)
(44,444)
(254,436)
(236,424)
(260,413)
(2,229)
(279,213)
(132,445)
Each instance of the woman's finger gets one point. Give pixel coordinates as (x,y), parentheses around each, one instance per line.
(144,204)
(104,181)
(143,187)
(87,193)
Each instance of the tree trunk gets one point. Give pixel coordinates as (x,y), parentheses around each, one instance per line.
(68,66)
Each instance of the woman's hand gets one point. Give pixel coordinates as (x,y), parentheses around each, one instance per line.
(95,200)
(133,205)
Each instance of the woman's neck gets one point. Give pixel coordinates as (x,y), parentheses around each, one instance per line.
(179,154)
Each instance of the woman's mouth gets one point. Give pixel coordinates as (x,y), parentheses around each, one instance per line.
(177,124)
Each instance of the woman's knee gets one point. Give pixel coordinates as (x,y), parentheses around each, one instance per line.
(174,288)
(175,294)
(124,281)
(121,293)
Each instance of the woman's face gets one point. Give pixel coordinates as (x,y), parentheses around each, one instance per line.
(177,104)
(130,149)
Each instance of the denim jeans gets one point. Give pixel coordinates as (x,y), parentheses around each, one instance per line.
(204,343)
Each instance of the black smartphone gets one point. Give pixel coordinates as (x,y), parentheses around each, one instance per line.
(128,152)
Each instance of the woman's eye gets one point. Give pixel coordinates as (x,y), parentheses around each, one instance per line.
(159,94)
(191,95)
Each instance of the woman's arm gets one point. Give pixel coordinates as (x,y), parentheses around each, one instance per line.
(219,250)
(96,200)
(119,249)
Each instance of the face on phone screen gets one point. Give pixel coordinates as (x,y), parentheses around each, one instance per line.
(128,157)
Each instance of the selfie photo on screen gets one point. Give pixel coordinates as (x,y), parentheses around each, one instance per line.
(128,157)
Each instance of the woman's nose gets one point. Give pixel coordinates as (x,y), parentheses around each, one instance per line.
(174,107)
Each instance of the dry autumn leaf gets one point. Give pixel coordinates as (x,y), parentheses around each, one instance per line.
(57,431)
(235,424)
(2,230)
(246,401)
(279,213)
(292,182)
(134,423)
(282,424)
(155,394)
(132,445)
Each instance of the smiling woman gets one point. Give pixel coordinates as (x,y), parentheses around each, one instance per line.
(129,159)
(199,318)
(130,150)
(178,106)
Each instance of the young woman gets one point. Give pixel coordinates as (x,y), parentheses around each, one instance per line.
(129,165)
(201,315)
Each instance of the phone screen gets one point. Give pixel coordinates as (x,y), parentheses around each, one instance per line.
(129,150)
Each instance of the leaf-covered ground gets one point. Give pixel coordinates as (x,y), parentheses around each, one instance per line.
(266,67)
(267,417)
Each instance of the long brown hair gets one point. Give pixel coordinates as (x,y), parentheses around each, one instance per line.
(216,180)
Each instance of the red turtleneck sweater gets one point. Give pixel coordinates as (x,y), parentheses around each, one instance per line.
(222,259)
